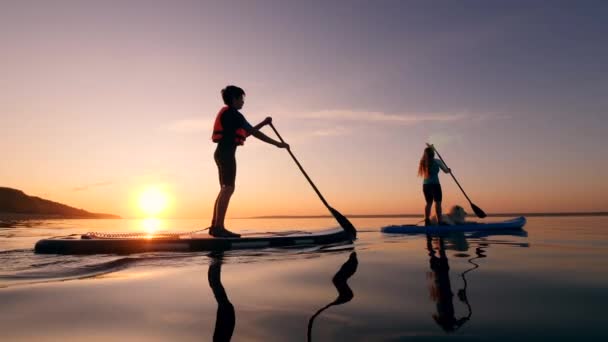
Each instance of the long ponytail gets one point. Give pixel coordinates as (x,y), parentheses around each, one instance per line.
(425,162)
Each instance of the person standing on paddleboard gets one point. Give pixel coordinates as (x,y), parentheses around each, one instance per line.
(429,170)
(229,131)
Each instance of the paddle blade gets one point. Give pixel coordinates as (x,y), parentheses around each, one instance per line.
(344,223)
(480,213)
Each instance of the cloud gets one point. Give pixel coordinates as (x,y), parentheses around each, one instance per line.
(191,125)
(493,116)
(380,117)
(442,138)
(331,132)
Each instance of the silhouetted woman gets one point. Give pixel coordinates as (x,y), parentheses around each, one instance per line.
(429,170)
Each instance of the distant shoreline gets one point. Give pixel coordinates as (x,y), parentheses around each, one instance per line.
(17,205)
(570,214)
(28,216)
(23,216)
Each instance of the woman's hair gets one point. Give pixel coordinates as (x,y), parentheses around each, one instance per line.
(425,162)
(231,93)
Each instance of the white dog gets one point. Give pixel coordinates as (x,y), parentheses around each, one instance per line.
(455,216)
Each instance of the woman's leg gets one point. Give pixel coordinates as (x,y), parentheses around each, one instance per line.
(438,211)
(428,197)
(438,195)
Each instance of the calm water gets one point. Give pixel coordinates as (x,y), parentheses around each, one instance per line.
(550,282)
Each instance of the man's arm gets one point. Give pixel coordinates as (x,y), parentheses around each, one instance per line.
(255,131)
(267,139)
(262,123)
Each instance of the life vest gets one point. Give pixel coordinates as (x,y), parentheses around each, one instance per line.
(218,131)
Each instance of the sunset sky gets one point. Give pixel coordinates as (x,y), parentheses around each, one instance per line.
(101,100)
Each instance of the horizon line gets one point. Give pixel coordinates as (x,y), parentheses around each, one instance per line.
(26,216)
(530,214)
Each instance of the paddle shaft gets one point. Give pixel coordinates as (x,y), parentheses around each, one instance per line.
(451,173)
(302,169)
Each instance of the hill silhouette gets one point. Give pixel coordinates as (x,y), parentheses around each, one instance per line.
(15,202)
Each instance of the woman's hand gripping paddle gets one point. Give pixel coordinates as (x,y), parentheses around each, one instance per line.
(480,213)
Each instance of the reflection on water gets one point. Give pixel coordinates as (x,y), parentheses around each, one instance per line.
(151,225)
(496,286)
(345,294)
(440,286)
(225,317)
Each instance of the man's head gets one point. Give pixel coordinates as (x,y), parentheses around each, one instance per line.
(233,96)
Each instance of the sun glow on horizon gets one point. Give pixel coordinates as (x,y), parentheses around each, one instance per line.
(151,225)
(153,201)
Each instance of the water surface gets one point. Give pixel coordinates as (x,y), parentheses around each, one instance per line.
(548,282)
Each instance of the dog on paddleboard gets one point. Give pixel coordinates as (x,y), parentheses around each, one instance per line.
(455,216)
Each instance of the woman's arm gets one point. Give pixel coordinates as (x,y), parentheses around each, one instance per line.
(442,166)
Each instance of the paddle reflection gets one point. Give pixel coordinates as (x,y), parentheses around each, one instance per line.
(440,286)
(225,318)
(345,294)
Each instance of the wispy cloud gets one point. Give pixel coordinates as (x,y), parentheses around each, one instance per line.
(87,187)
(381,117)
(332,132)
(443,138)
(191,125)
(492,116)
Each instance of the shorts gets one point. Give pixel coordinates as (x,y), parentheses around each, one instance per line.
(432,192)
(226,164)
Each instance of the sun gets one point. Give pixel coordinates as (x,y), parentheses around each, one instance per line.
(153,201)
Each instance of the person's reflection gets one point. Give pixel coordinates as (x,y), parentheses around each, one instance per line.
(345,294)
(440,287)
(225,319)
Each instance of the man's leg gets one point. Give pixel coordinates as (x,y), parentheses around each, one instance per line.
(217,199)
(223,199)
(221,205)
(226,164)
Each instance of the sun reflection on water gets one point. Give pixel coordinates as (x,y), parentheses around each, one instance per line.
(151,226)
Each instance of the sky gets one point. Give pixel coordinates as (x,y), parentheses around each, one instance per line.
(101,100)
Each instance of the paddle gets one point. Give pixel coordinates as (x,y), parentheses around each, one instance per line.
(342,220)
(480,213)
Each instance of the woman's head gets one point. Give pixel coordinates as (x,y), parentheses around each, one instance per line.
(429,153)
(425,162)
